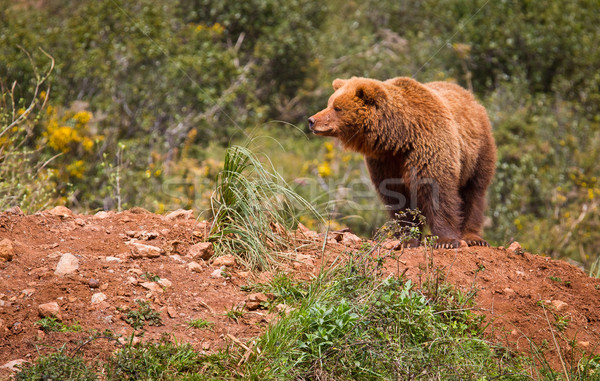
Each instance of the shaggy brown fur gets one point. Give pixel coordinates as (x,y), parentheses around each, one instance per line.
(427,146)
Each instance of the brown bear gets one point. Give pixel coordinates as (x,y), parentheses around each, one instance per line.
(426,146)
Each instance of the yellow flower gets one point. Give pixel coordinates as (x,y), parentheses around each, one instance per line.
(324,170)
(88,144)
(61,138)
(43,95)
(328,146)
(21,111)
(590,193)
(157,172)
(76,169)
(82,117)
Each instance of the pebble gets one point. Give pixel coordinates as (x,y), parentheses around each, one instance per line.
(94,283)
(559,304)
(51,309)
(98,297)
(140,250)
(13,365)
(152,286)
(112,259)
(515,248)
(60,211)
(218,273)
(165,282)
(67,264)
(180,213)
(202,250)
(194,267)
(6,250)
(226,260)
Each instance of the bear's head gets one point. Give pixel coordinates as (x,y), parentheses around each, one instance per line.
(352,112)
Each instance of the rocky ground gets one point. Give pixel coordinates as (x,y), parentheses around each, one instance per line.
(91,270)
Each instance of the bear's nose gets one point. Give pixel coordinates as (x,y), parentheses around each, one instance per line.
(311,122)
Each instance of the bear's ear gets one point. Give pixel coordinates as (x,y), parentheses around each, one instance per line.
(370,93)
(337,83)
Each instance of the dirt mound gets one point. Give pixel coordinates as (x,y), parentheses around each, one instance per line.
(95,268)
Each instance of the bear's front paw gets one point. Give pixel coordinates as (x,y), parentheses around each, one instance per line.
(475,240)
(446,243)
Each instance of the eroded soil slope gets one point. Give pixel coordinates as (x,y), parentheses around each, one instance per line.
(118,258)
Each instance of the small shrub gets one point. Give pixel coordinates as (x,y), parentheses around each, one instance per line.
(200,324)
(57,366)
(50,324)
(137,318)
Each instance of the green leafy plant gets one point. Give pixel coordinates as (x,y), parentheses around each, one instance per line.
(200,324)
(50,324)
(57,366)
(144,314)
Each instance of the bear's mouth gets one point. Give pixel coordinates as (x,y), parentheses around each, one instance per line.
(326,132)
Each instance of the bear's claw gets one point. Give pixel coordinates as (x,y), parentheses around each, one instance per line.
(446,243)
(478,243)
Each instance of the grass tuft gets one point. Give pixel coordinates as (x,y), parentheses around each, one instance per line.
(254,210)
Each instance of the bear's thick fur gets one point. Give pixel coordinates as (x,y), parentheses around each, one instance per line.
(427,146)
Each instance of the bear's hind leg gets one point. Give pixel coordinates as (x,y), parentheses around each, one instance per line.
(473,196)
(442,212)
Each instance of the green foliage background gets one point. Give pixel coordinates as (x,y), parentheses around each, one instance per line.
(168,85)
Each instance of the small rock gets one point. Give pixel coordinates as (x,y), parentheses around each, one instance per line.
(226,260)
(243,274)
(164,282)
(98,297)
(283,308)
(6,250)
(140,250)
(112,259)
(125,341)
(13,365)
(306,232)
(135,271)
(177,258)
(172,312)
(515,248)
(94,283)
(133,280)
(80,221)
(154,287)
(559,304)
(28,291)
(67,264)
(16,328)
(258,297)
(180,213)
(194,267)
(583,344)
(218,273)
(15,210)
(251,306)
(101,215)
(392,245)
(205,346)
(350,239)
(463,244)
(50,310)
(60,211)
(305,259)
(202,250)
(509,291)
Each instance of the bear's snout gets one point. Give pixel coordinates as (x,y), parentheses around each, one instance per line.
(311,123)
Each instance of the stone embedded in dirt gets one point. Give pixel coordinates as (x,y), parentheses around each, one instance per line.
(102,215)
(180,213)
(6,250)
(51,309)
(305,259)
(59,211)
(140,250)
(392,245)
(94,283)
(583,344)
(305,232)
(559,304)
(243,274)
(28,292)
(80,221)
(13,365)
(133,280)
(177,258)
(258,297)
(165,282)
(202,250)
(350,239)
(515,248)
(127,340)
(172,312)
(283,308)
(67,264)
(205,346)
(142,235)
(152,286)
(112,259)
(226,260)
(218,273)
(98,297)
(252,306)
(194,267)
(15,210)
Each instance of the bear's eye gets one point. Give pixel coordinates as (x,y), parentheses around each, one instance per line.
(337,109)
